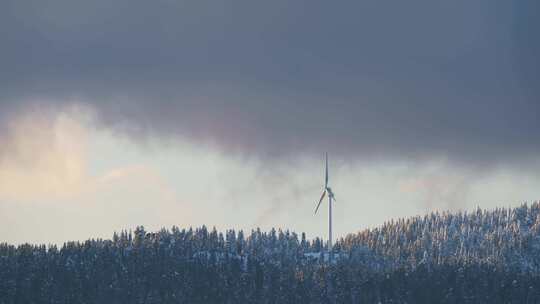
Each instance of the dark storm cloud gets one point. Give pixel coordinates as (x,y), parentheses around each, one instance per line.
(365,78)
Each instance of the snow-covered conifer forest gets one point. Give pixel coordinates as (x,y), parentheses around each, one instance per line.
(466,257)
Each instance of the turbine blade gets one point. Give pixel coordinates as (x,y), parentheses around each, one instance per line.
(320,201)
(326,179)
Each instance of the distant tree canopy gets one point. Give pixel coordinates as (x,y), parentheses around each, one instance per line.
(477,257)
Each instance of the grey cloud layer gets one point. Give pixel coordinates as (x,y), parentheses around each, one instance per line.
(367,78)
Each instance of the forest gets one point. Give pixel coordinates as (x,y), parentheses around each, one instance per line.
(480,256)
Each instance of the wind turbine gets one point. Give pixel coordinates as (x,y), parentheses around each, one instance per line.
(331,198)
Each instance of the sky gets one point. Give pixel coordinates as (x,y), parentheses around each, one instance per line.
(121,113)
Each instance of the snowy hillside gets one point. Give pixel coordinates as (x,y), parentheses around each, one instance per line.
(508,238)
(477,257)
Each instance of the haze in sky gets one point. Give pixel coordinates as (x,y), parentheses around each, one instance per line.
(121,113)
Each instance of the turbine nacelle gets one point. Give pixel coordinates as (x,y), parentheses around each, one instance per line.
(330,193)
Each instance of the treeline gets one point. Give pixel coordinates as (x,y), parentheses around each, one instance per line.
(477,257)
(505,238)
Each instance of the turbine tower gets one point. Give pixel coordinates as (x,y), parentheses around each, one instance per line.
(331,198)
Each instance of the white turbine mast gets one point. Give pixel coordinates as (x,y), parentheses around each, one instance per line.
(331,197)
